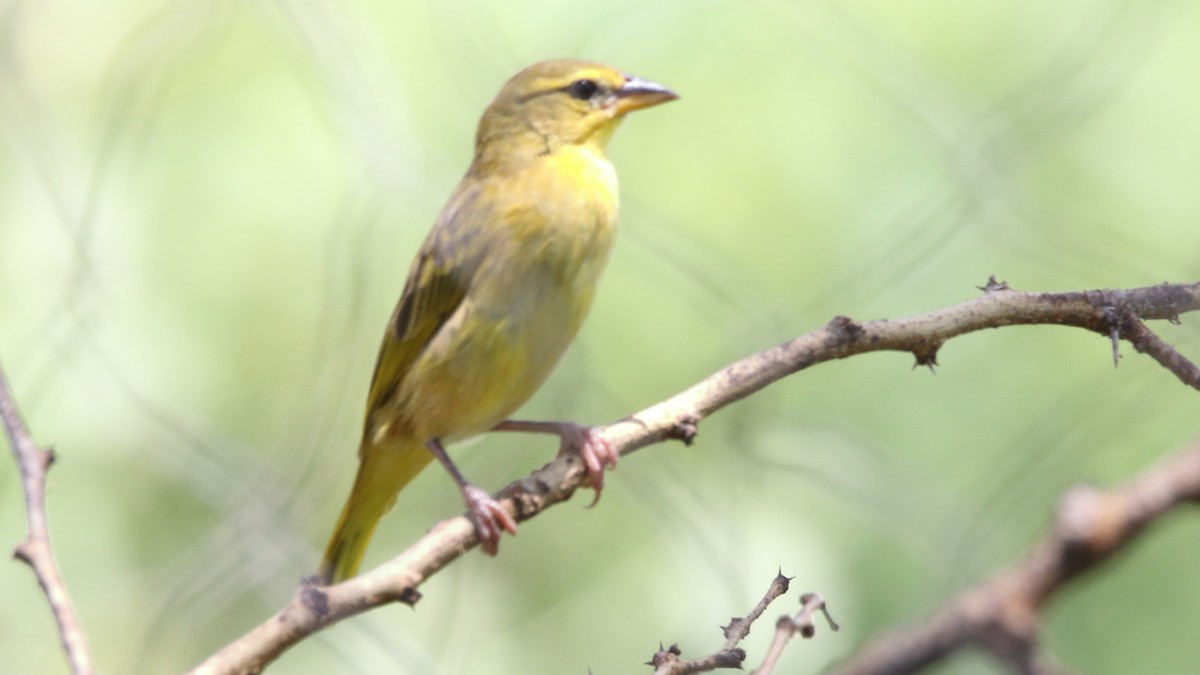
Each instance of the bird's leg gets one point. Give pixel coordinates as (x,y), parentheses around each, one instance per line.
(489,516)
(596,451)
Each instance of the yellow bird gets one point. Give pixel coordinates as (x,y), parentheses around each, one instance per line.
(496,294)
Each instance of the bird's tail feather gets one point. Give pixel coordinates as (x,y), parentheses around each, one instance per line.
(383,471)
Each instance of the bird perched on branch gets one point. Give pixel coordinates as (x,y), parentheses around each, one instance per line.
(496,294)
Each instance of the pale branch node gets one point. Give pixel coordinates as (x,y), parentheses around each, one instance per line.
(788,626)
(812,603)
(1003,614)
(36,551)
(677,418)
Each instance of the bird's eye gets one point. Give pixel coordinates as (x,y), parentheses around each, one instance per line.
(583,89)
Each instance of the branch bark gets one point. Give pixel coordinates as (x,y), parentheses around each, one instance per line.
(1117,314)
(1002,615)
(670,661)
(36,550)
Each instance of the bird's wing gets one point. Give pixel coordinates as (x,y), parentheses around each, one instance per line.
(436,286)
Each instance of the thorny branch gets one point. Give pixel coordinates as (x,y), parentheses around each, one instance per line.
(1002,615)
(1117,314)
(669,661)
(739,627)
(397,580)
(36,551)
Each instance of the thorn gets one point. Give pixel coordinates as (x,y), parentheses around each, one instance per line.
(992,285)
(410,596)
(1113,319)
(663,656)
(782,580)
(927,356)
(685,429)
(21,552)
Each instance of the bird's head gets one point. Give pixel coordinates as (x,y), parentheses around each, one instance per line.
(564,102)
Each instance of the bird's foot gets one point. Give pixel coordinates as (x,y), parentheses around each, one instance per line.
(593,447)
(489,517)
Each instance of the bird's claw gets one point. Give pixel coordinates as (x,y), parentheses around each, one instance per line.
(489,517)
(596,451)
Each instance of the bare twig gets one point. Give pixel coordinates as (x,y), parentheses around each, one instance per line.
(739,627)
(1146,342)
(313,608)
(1002,614)
(36,551)
(788,626)
(670,662)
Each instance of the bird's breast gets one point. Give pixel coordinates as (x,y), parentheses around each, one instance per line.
(526,301)
(559,239)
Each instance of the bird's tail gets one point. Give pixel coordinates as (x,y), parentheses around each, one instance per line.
(383,471)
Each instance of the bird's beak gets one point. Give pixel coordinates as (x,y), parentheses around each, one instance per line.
(637,93)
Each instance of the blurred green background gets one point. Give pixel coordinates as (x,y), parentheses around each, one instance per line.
(207,210)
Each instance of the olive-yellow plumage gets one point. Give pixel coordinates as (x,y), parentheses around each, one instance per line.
(497,292)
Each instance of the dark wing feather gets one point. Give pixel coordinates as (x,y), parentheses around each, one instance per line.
(436,286)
